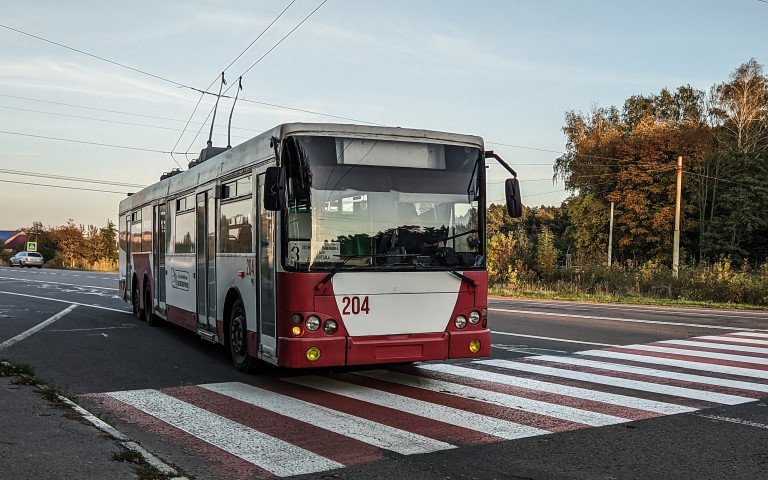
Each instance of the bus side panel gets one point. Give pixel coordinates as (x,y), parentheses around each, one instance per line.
(180,287)
(229,269)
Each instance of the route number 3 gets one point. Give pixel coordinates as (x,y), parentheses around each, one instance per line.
(355,305)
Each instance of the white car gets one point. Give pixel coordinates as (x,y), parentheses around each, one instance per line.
(27,259)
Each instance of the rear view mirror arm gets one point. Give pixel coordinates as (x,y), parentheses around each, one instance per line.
(492,154)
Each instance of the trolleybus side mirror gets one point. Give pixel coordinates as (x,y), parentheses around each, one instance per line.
(512,194)
(274,189)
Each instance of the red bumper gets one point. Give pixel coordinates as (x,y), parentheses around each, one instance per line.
(383,349)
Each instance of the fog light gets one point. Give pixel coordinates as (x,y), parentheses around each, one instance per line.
(296,331)
(313,353)
(313,323)
(296,318)
(474,317)
(474,346)
(330,327)
(461,321)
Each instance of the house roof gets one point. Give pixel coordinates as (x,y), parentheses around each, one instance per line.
(6,234)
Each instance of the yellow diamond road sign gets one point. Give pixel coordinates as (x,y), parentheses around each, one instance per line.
(31,246)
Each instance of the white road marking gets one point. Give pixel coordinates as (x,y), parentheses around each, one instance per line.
(270,453)
(66,301)
(565,340)
(362,429)
(441,413)
(520,403)
(59,283)
(556,388)
(716,346)
(729,339)
(707,367)
(740,421)
(64,330)
(697,353)
(621,382)
(685,377)
(36,328)
(763,336)
(616,319)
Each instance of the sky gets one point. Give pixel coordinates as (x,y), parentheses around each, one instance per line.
(505,70)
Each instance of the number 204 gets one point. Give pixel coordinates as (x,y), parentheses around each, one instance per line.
(355,305)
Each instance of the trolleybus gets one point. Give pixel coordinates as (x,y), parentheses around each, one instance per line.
(319,245)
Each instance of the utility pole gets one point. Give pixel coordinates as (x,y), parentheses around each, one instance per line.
(676,238)
(610,238)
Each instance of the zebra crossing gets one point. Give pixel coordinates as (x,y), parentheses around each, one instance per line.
(314,423)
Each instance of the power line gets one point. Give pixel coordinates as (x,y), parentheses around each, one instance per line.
(63,186)
(70,179)
(125,147)
(263,57)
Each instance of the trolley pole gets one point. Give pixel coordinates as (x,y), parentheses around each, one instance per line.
(676,238)
(610,238)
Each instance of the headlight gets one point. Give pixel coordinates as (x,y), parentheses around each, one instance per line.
(474,317)
(461,321)
(313,323)
(330,327)
(296,318)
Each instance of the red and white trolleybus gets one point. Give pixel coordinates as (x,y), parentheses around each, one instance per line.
(320,245)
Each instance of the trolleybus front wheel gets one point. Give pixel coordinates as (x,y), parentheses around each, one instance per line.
(238,339)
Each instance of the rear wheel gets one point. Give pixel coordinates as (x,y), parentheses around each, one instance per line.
(149,316)
(135,302)
(238,339)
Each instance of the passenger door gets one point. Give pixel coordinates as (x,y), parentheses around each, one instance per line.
(265,239)
(205,218)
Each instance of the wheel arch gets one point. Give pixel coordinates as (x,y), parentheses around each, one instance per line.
(233,294)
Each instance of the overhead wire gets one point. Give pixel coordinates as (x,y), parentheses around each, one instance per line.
(67,178)
(125,147)
(63,186)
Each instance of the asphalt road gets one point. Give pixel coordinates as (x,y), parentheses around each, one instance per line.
(653,412)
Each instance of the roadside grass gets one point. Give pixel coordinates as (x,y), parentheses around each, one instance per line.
(144,471)
(618,299)
(25,375)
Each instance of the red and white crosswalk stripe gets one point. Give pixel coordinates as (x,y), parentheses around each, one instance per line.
(306,424)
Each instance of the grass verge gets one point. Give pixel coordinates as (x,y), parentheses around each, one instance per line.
(144,470)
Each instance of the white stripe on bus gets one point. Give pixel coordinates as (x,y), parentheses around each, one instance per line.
(621,382)
(364,430)
(576,392)
(520,403)
(271,454)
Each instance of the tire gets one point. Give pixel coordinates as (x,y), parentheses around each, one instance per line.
(39,267)
(135,302)
(149,316)
(237,339)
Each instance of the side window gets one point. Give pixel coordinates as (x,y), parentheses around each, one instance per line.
(184,225)
(236,222)
(136,231)
(146,229)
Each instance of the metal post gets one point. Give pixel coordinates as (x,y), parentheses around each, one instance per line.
(676,238)
(610,238)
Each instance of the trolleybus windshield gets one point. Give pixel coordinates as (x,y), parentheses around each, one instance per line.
(381,204)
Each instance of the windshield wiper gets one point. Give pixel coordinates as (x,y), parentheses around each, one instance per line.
(333,272)
(461,276)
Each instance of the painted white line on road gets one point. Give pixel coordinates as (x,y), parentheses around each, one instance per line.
(66,301)
(270,453)
(508,430)
(36,328)
(671,362)
(684,311)
(740,421)
(59,283)
(557,389)
(686,377)
(698,353)
(565,340)
(621,382)
(629,320)
(65,330)
(763,336)
(716,346)
(449,415)
(364,430)
(726,339)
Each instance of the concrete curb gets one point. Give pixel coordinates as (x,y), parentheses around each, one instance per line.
(123,439)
